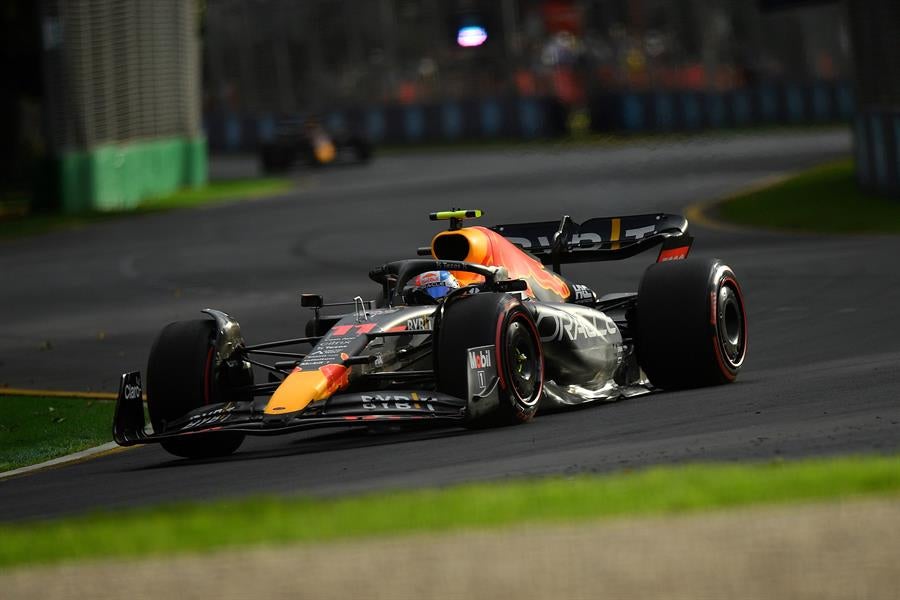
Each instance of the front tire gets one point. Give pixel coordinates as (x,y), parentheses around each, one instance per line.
(691,324)
(275,158)
(501,321)
(180,378)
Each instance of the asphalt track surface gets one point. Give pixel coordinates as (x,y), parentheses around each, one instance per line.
(79,307)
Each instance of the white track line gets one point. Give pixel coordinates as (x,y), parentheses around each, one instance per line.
(106,448)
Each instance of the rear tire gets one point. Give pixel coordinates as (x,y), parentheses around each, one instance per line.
(362,150)
(275,158)
(691,324)
(181,378)
(502,321)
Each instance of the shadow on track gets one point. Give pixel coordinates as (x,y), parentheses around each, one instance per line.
(348,439)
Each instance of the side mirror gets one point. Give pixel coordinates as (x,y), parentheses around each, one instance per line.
(311,301)
(512,285)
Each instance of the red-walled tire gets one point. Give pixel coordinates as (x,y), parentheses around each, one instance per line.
(498,320)
(691,324)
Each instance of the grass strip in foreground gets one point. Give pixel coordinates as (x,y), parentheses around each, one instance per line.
(825,199)
(215,191)
(36,429)
(219,524)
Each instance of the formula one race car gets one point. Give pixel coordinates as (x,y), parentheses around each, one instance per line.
(308,142)
(480,333)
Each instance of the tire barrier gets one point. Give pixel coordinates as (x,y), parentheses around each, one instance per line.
(764,104)
(876,139)
(492,118)
(514,117)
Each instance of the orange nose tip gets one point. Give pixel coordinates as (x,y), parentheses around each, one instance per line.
(301,388)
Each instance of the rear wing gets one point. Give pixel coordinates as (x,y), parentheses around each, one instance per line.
(604,238)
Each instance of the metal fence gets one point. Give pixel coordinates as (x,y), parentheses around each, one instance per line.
(119,70)
(876,39)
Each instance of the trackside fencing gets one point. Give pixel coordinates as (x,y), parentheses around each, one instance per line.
(122,101)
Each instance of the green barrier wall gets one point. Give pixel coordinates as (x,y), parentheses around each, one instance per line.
(119,176)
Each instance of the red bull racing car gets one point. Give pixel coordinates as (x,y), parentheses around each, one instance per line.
(484,331)
(309,142)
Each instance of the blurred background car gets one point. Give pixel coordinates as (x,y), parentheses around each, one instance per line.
(309,143)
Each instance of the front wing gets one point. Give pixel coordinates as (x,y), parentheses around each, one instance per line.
(363,408)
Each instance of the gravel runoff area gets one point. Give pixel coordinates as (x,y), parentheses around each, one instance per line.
(840,550)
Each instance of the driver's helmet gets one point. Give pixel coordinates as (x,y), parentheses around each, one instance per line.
(429,287)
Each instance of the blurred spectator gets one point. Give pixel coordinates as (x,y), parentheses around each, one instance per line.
(296,56)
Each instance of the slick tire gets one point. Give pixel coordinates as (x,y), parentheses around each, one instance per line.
(180,378)
(501,321)
(362,150)
(275,159)
(691,324)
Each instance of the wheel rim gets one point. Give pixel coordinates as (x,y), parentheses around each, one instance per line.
(523,360)
(731,326)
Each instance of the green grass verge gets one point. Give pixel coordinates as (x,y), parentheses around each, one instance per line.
(33,429)
(216,191)
(221,524)
(825,199)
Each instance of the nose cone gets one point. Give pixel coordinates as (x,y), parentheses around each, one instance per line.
(301,388)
